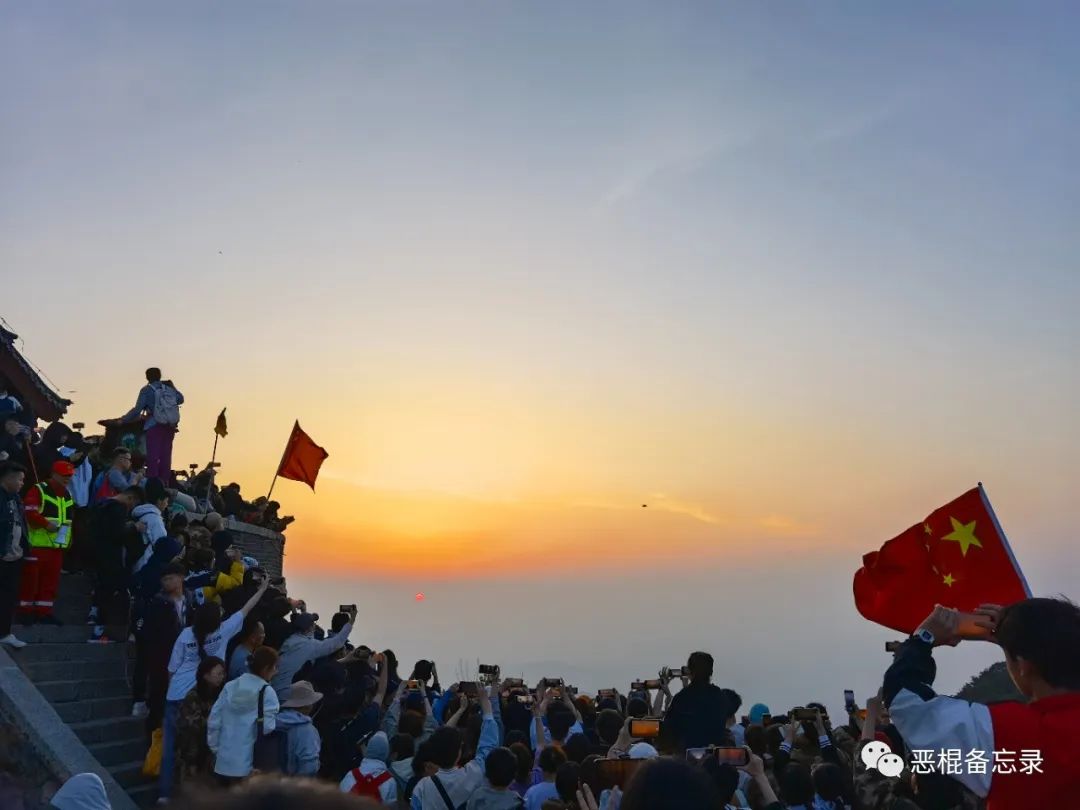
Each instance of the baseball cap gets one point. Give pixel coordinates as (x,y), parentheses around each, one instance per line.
(302,622)
(63,468)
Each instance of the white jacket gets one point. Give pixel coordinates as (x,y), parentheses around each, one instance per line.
(231,729)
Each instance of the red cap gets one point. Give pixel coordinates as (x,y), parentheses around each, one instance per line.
(63,468)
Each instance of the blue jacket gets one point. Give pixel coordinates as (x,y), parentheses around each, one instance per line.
(303,746)
(145,404)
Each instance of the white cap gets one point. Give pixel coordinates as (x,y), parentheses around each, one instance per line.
(643,750)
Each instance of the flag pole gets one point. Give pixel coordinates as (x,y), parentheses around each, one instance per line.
(210,477)
(284,455)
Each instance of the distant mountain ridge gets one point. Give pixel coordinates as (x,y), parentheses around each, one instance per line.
(992,685)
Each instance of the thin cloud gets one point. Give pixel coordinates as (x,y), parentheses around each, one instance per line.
(781,524)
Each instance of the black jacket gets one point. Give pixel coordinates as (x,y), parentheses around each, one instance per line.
(11,514)
(160,625)
(698,717)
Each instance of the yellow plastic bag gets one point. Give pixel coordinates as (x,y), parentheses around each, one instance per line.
(152,763)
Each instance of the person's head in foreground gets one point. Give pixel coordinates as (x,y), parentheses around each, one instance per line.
(670,784)
(700,665)
(500,768)
(275,793)
(1041,642)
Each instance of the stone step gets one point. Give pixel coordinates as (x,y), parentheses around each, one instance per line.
(81,711)
(44,634)
(65,691)
(111,729)
(114,753)
(48,653)
(72,612)
(129,774)
(144,795)
(72,670)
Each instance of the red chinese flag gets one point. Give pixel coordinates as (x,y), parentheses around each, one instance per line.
(302,458)
(958,557)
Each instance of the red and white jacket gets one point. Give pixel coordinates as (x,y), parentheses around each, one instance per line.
(1032,750)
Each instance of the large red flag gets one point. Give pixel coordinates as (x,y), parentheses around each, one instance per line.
(302,458)
(958,557)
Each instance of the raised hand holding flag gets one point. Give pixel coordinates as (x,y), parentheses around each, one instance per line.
(958,557)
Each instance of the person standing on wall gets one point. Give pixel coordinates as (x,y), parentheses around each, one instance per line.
(161,402)
(49,507)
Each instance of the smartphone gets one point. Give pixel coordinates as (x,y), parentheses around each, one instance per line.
(766,719)
(525,699)
(804,715)
(553,682)
(469,689)
(849,699)
(892,646)
(969,630)
(489,669)
(733,756)
(645,727)
(675,672)
(697,754)
(605,774)
(637,686)
(513,683)
(606,694)
(347,609)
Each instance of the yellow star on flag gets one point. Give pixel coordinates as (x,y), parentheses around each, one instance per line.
(964,534)
(948,579)
(926,528)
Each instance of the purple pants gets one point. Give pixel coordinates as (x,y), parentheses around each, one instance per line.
(159,441)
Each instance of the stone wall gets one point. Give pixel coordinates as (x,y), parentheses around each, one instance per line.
(264,545)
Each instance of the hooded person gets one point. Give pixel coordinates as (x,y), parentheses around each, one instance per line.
(83,791)
(233,725)
(372,777)
(303,744)
(149,517)
(301,648)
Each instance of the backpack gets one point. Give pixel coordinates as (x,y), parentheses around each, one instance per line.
(368,784)
(271,750)
(101,489)
(166,405)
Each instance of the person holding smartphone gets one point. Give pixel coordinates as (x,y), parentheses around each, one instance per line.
(301,648)
(1040,639)
(699,713)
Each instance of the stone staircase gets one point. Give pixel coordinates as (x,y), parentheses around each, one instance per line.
(89,687)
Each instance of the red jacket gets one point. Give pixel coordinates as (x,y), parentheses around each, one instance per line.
(1050,726)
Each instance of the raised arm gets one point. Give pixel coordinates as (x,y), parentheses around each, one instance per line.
(756,769)
(926,720)
(393,712)
(462,708)
(384,676)
(250,604)
(489,731)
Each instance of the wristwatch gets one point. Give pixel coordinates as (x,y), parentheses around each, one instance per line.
(925,636)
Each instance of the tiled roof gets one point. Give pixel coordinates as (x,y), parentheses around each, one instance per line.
(7,343)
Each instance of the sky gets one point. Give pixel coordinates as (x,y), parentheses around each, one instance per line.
(791,274)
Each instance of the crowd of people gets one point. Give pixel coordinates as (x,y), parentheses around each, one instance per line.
(243,690)
(115,509)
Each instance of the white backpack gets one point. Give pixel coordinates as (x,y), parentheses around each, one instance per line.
(166,405)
